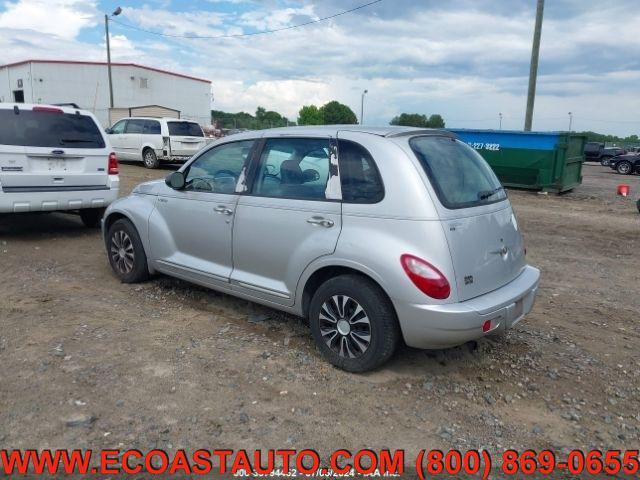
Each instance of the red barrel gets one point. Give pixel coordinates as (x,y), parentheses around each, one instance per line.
(623,190)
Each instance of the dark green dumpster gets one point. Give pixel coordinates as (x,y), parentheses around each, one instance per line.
(548,161)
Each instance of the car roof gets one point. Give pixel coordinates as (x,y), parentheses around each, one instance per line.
(29,106)
(332,130)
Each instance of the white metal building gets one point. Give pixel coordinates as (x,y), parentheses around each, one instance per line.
(137,90)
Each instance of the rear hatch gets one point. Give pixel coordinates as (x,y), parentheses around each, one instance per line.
(48,148)
(486,247)
(185,138)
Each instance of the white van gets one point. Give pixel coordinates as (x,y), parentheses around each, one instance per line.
(55,159)
(154,139)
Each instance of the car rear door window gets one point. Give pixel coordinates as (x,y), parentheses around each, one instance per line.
(135,126)
(458,174)
(296,168)
(151,127)
(49,129)
(359,176)
(217,170)
(185,129)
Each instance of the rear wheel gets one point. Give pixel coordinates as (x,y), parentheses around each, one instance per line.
(353,323)
(624,167)
(150,158)
(605,161)
(91,216)
(126,253)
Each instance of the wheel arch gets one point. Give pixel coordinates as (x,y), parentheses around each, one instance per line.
(316,275)
(137,219)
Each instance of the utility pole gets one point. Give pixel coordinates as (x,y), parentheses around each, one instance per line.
(115,13)
(362,107)
(570,120)
(533,70)
(500,115)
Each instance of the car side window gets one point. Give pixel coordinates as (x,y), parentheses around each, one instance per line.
(359,176)
(135,126)
(151,127)
(118,128)
(296,168)
(218,170)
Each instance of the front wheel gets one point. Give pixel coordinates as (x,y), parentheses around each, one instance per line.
(150,158)
(604,162)
(91,217)
(624,168)
(126,253)
(353,323)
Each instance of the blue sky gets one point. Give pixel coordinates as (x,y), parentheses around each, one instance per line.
(465,59)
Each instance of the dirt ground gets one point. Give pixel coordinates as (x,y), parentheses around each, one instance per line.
(87,362)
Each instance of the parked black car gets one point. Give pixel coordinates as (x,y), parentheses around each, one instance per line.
(609,153)
(626,164)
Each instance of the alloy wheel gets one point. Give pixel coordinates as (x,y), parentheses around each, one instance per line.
(624,168)
(122,252)
(345,326)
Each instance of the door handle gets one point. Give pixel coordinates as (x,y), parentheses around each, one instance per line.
(320,221)
(221,209)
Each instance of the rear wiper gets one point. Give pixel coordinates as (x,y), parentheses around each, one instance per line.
(489,193)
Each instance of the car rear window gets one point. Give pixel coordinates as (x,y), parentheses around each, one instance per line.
(459,175)
(49,129)
(185,129)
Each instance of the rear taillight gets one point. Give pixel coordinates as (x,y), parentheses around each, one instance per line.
(426,277)
(113,164)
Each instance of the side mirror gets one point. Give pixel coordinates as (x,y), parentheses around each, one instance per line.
(108,131)
(175,180)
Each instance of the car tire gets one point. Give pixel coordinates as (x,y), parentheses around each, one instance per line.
(605,161)
(149,158)
(353,323)
(624,168)
(91,217)
(126,253)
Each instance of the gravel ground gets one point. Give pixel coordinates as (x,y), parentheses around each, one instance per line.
(87,362)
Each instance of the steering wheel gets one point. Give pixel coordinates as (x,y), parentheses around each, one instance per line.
(225,173)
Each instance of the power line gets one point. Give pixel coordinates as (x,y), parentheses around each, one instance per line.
(237,35)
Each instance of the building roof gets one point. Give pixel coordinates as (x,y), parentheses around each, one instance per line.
(113,64)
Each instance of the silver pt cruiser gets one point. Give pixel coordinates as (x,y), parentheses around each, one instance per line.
(373,234)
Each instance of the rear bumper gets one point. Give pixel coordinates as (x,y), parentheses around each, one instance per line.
(55,200)
(441,326)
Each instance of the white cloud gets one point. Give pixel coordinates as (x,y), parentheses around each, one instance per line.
(61,18)
(467,60)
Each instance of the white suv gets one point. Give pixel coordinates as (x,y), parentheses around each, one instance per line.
(154,139)
(55,158)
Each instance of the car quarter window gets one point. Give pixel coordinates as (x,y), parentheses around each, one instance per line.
(296,168)
(135,126)
(359,176)
(119,127)
(217,170)
(151,127)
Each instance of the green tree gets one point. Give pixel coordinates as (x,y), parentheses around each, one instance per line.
(436,121)
(310,115)
(411,120)
(417,120)
(336,113)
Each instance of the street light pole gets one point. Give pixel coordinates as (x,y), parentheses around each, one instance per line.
(533,69)
(500,115)
(115,13)
(362,107)
(570,120)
